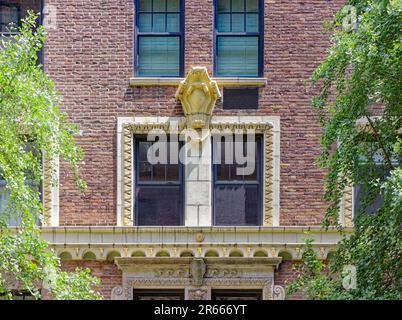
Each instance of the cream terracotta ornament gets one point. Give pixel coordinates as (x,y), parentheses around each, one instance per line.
(198,94)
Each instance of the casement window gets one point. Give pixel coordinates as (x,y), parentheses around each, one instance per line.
(158,187)
(9,14)
(238,38)
(237,197)
(159,38)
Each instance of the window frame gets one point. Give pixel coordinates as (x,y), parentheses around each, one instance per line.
(259,179)
(16,5)
(179,34)
(259,34)
(150,184)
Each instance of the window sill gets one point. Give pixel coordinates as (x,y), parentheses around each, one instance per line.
(174,81)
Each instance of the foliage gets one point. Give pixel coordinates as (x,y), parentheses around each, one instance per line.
(359,108)
(29,115)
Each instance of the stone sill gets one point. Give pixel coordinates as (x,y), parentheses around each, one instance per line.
(229,81)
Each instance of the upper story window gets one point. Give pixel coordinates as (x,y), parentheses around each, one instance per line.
(238,38)
(159,38)
(159,186)
(237,197)
(9,14)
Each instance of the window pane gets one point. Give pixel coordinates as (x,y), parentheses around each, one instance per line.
(145,5)
(172,172)
(159,56)
(223,172)
(252,23)
(252,5)
(159,5)
(223,23)
(159,22)
(145,22)
(223,5)
(145,171)
(158,172)
(159,206)
(173,6)
(8,14)
(237,5)
(237,22)
(236,205)
(360,195)
(237,56)
(173,22)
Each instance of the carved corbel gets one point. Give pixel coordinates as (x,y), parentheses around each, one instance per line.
(198,95)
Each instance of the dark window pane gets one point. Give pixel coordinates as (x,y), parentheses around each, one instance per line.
(159,56)
(252,5)
(143,150)
(159,206)
(237,56)
(158,172)
(223,294)
(8,14)
(236,205)
(237,5)
(223,172)
(173,22)
(360,195)
(145,5)
(172,172)
(223,5)
(145,22)
(173,6)
(165,294)
(238,23)
(145,171)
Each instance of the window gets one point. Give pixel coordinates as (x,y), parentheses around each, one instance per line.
(238,38)
(237,198)
(14,219)
(160,294)
(18,295)
(9,13)
(368,198)
(159,45)
(159,187)
(223,294)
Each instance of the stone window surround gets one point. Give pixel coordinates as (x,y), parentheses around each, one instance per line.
(127,127)
(198,276)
